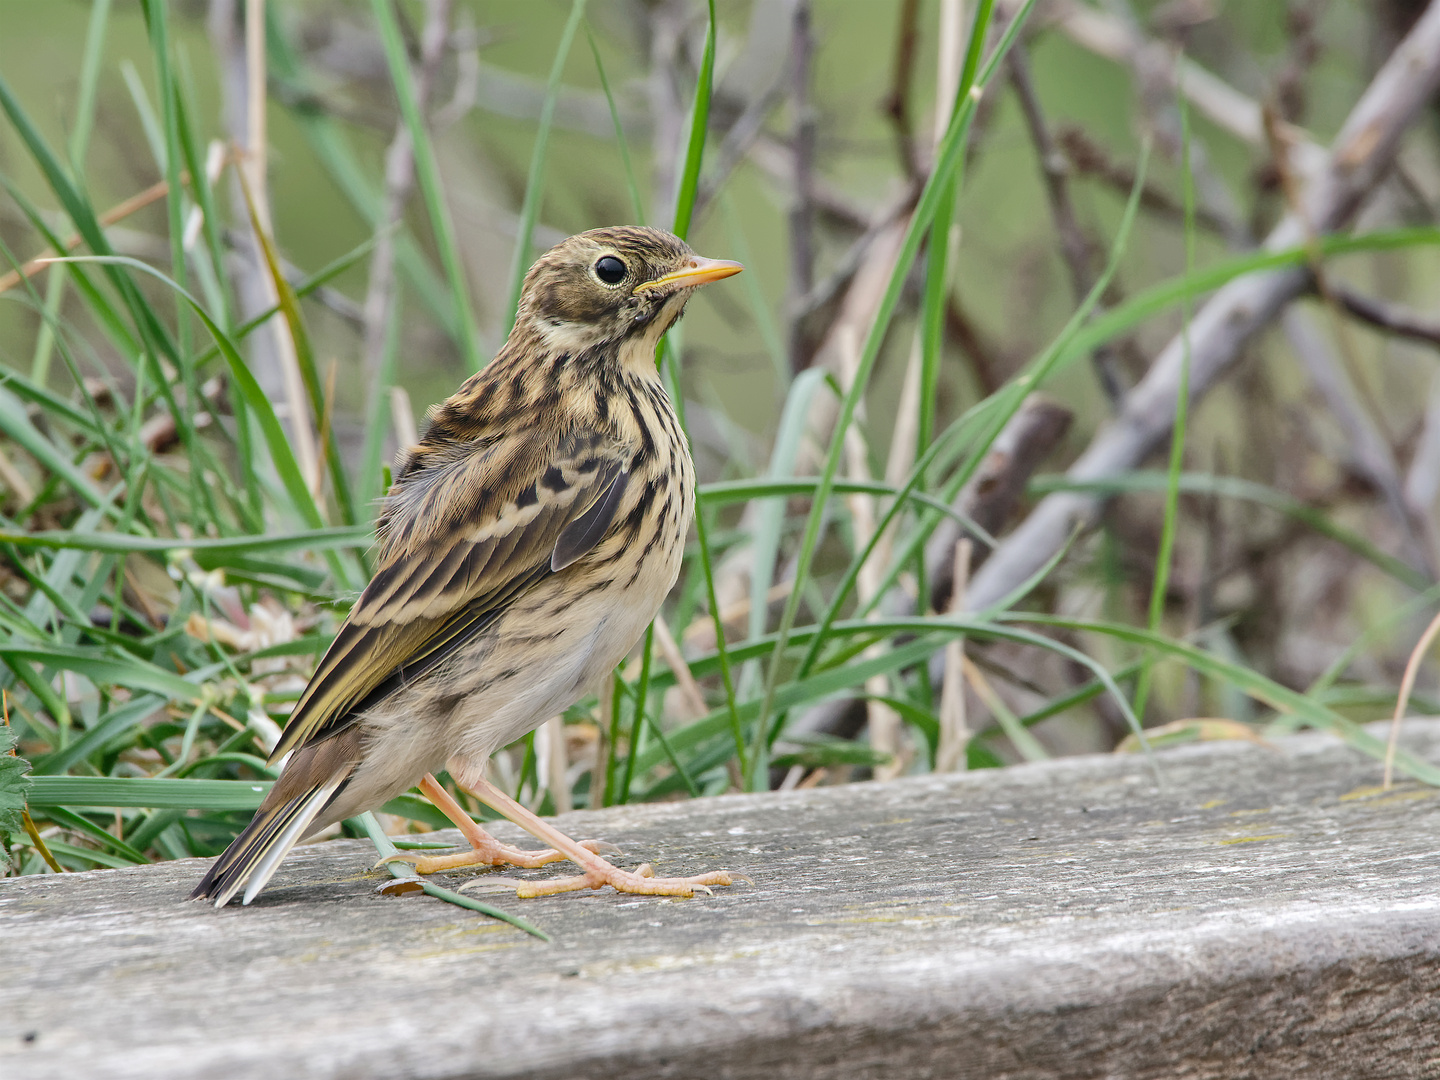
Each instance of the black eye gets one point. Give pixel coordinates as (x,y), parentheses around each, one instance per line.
(610,270)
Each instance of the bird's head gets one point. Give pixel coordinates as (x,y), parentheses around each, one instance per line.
(612,287)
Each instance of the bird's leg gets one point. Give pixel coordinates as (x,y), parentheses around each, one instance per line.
(598,872)
(485,849)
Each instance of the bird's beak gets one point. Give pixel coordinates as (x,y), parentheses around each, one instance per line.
(697,271)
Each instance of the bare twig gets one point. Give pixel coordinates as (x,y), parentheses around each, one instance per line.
(802,208)
(736,145)
(986,361)
(684,679)
(903,444)
(1407,685)
(989,499)
(466,42)
(402,416)
(119,212)
(773,157)
(1159,75)
(754,83)
(902,77)
(1371,455)
(1422,478)
(1075,247)
(817,311)
(665,22)
(12,478)
(993,493)
(954,732)
(240,49)
(553,763)
(1300,20)
(1362,154)
(1390,317)
(1114,38)
(379,307)
(1088,158)
(160,433)
(254,165)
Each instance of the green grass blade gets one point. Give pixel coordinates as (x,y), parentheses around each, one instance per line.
(1266,691)
(1233,487)
(947,158)
(1161,583)
(103,670)
(255,398)
(765,542)
(696,126)
(79,143)
(637,204)
(219,795)
(642,691)
(404,871)
(535,182)
(305,359)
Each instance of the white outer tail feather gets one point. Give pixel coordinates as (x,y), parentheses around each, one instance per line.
(258,877)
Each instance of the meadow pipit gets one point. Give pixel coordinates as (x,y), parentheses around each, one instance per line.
(527,542)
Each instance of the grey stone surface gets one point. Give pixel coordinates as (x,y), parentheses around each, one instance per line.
(1268,913)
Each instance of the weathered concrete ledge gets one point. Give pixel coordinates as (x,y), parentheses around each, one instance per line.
(1267,914)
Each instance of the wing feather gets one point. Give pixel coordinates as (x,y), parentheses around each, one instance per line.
(459,542)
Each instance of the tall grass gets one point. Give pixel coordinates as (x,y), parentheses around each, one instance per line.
(164,598)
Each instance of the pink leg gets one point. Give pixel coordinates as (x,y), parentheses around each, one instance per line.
(598,872)
(485,849)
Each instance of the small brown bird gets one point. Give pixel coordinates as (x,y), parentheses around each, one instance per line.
(525,545)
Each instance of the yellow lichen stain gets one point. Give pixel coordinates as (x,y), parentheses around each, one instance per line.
(1363,793)
(436,954)
(1250,813)
(1213,803)
(898,821)
(475,928)
(1402,797)
(1253,839)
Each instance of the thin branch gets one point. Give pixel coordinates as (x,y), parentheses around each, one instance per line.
(1371,455)
(1363,152)
(1087,157)
(1075,247)
(1387,316)
(897,103)
(119,212)
(802,207)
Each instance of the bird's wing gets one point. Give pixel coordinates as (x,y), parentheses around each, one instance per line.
(462,539)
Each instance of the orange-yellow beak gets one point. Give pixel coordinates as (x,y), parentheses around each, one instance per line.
(698,271)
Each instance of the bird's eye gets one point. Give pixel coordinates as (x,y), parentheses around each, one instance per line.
(610,270)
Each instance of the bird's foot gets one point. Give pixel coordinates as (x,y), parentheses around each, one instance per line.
(599,873)
(485,850)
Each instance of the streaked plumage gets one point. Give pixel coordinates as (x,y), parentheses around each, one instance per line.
(525,545)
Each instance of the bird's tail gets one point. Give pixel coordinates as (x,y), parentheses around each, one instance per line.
(258,851)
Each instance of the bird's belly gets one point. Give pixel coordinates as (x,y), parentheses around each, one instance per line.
(555,646)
